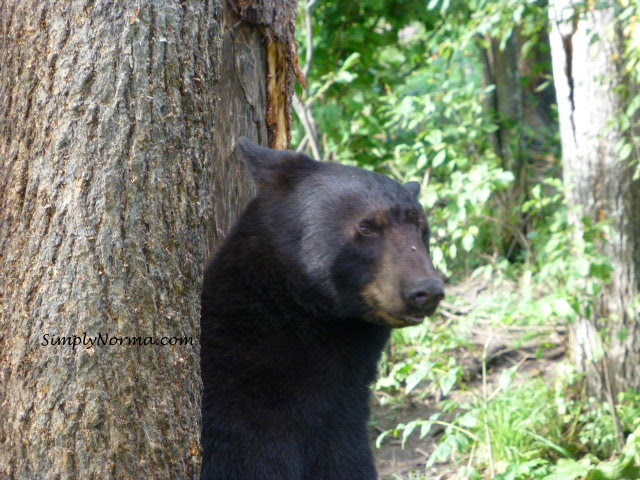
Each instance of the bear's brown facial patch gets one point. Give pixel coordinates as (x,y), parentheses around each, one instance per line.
(406,287)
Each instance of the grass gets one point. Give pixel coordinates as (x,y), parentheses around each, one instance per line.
(513,426)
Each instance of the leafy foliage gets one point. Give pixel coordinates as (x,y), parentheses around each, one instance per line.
(402,91)
(402,88)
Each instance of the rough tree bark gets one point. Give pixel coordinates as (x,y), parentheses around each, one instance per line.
(106,119)
(116,123)
(243,97)
(586,47)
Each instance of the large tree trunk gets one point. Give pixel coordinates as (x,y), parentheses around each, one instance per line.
(585,49)
(243,97)
(113,130)
(106,114)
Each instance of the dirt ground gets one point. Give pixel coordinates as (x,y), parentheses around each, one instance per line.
(397,463)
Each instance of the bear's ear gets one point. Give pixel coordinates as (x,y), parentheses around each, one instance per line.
(275,168)
(413,187)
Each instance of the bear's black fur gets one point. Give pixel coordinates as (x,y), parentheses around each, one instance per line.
(296,308)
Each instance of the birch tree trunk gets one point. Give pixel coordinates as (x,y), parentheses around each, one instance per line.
(106,115)
(586,47)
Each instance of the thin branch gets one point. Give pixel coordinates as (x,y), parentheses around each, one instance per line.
(303,143)
(306,118)
(308,25)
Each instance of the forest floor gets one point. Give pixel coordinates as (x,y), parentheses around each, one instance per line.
(506,348)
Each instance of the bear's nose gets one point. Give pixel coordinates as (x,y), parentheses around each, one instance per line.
(424,295)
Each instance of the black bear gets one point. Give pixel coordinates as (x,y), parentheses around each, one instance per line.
(296,308)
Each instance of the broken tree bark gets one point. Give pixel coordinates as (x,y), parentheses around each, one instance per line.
(259,61)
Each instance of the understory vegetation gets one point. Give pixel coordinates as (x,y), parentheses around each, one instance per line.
(416,90)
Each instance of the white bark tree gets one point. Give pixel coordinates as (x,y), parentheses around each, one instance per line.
(586,49)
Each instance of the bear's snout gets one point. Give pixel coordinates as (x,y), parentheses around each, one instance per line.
(424,295)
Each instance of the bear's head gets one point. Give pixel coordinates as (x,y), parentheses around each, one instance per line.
(357,239)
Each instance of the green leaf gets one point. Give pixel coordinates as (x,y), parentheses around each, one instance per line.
(439,158)
(562,308)
(425,428)
(418,375)
(467,242)
(625,151)
(469,420)
(350,61)
(434,137)
(345,77)
(568,469)
(381,437)
(449,380)
(506,376)
(408,430)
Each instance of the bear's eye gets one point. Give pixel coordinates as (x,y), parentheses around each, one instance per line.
(366,228)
